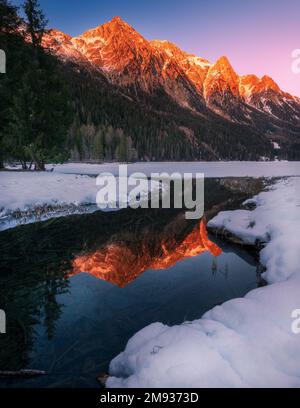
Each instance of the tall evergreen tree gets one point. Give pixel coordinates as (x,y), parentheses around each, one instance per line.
(39,114)
(9,22)
(36,21)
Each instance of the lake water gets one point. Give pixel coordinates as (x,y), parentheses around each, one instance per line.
(75,289)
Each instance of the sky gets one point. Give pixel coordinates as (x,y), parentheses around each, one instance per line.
(258,36)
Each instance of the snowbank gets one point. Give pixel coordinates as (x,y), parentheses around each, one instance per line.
(210,169)
(27,197)
(246,342)
(20,190)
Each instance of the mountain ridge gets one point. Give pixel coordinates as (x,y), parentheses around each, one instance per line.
(117,24)
(148,69)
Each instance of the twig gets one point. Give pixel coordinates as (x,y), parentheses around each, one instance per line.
(22,374)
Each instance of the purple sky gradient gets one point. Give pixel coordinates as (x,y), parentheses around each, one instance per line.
(257,36)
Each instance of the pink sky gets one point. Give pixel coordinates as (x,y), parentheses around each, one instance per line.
(258,36)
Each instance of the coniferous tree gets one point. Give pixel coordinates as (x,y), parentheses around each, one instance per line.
(9,19)
(9,22)
(106,126)
(39,113)
(36,21)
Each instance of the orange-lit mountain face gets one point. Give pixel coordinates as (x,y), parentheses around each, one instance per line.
(265,95)
(195,68)
(221,88)
(120,263)
(127,59)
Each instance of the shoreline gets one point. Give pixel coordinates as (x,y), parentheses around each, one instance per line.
(220,349)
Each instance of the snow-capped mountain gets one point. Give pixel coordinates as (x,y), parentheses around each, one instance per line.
(127,59)
(221,88)
(265,95)
(164,77)
(195,68)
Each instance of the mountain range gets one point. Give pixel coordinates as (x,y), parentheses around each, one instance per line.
(166,80)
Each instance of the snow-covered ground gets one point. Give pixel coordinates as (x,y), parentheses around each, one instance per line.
(20,190)
(247,342)
(210,169)
(27,197)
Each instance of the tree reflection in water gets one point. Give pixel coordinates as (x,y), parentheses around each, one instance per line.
(37,260)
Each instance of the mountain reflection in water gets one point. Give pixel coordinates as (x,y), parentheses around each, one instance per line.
(120,263)
(71,324)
